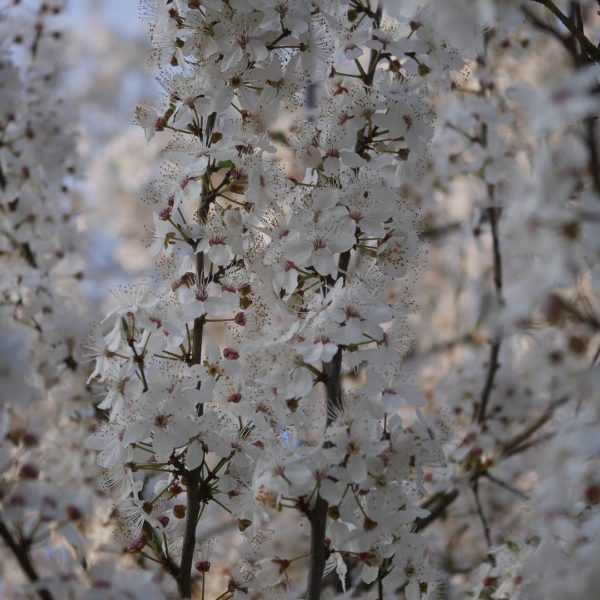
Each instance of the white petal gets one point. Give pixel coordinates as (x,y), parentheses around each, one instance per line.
(357,469)
(194,455)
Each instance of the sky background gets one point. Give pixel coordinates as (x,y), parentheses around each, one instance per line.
(108,73)
(122,15)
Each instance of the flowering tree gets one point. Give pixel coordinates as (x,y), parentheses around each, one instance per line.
(517,148)
(41,264)
(53,513)
(303,268)
(355,195)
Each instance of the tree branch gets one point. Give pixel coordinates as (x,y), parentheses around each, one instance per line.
(494,363)
(437,505)
(184,580)
(484,521)
(517,440)
(317,516)
(493,367)
(21,554)
(586,45)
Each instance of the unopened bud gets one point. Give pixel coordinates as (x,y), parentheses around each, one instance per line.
(243,524)
(73,513)
(163,520)
(203,566)
(175,489)
(29,471)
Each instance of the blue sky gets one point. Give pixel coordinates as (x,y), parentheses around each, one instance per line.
(120,14)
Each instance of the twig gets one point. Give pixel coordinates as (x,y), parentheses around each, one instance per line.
(509,446)
(590,124)
(484,522)
(531,443)
(505,485)
(438,505)
(493,217)
(586,45)
(433,233)
(21,553)
(493,367)
(494,363)
(165,559)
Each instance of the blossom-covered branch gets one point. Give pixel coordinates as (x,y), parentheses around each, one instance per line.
(228,380)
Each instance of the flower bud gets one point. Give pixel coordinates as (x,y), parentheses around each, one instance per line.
(203,566)
(231,354)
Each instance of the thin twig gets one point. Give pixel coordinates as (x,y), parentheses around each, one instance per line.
(508,447)
(493,363)
(165,559)
(484,522)
(505,485)
(20,552)
(437,505)
(586,44)
(493,367)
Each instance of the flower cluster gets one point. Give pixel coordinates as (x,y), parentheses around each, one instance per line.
(352,192)
(261,373)
(51,508)
(510,343)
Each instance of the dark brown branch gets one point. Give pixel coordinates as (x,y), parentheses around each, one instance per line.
(20,552)
(440,502)
(494,363)
(437,506)
(484,522)
(590,124)
(493,367)
(439,231)
(317,518)
(531,443)
(503,484)
(184,580)
(586,45)
(170,565)
(28,255)
(542,25)
(493,214)
(516,441)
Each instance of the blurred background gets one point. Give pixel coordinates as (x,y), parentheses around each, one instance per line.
(447,350)
(110,71)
